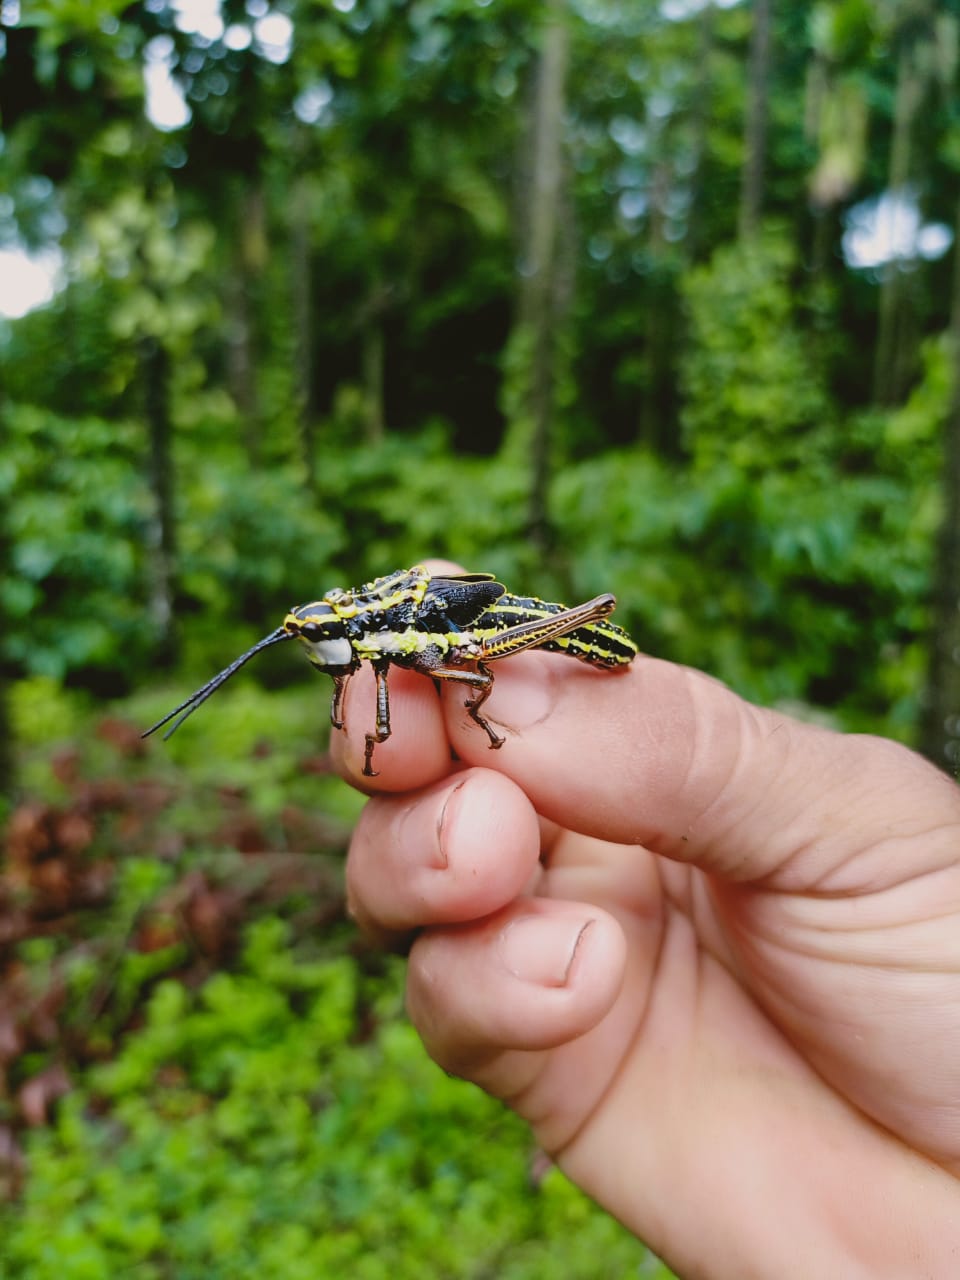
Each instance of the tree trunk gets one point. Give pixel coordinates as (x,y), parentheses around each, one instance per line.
(940,716)
(699,131)
(302,301)
(372,352)
(541,279)
(888,358)
(657,403)
(755,123)
(155,373)
(242,287)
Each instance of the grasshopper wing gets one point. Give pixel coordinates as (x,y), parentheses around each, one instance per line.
(457,601)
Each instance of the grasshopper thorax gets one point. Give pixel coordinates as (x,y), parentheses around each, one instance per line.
(324,636)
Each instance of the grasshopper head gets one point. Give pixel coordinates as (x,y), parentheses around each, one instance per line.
(324,636)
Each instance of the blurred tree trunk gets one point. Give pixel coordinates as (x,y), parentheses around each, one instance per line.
(242,287)
(301,282)
(155,376)
(888,384)
(6,728)
(658,405)
(699,130)
(372,356)
(755,123)
(836,120)
(369,322)
(940,717)
(542,279)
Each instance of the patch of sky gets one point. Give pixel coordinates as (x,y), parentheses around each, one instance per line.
(888,228)
(629,135)
(311,103)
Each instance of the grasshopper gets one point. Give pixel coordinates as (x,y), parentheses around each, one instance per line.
(448,627)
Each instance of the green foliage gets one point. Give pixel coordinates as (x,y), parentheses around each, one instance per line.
(799,584)
(347,203)
(402,501)
(362,185)
(777,584)
(164,264)
(249,1129)
(279,1117)
(253,538)
(754,394)
(76,512)
(65,357)
(42,714)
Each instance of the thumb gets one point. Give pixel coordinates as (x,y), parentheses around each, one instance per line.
(664,756)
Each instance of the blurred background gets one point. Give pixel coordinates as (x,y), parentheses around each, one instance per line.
(657,299)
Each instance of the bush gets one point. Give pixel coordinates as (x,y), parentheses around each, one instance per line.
(252,1128)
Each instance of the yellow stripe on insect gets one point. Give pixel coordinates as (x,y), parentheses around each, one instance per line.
(406,644)
(493,647)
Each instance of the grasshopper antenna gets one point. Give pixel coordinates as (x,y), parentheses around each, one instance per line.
(187,707)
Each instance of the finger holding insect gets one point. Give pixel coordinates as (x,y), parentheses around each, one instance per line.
(456,850)
(416,752)
(634,756)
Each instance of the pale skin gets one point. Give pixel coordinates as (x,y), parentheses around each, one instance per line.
(710,954)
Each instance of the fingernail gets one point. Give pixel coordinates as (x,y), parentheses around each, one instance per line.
(541,949)
(523,693)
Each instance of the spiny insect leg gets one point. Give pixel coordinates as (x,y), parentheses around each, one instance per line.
(336,707)
(482,681)
(526,635)
(382,731)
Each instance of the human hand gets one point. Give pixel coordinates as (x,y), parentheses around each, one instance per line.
(710,954)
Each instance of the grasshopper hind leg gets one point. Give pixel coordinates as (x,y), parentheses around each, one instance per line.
(473,706)
(482,681)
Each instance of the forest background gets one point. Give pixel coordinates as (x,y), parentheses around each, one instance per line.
(656,299)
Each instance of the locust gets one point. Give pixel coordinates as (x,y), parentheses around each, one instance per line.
(449,627)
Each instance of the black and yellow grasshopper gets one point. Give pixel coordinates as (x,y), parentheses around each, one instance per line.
(447,627)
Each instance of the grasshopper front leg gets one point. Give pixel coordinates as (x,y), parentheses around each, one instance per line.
(382,731)
(336,708)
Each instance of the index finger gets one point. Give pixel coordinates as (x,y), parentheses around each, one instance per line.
(667,757)
(664,756)
(418,749)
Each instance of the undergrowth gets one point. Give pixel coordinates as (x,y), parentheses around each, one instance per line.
(204,1073)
